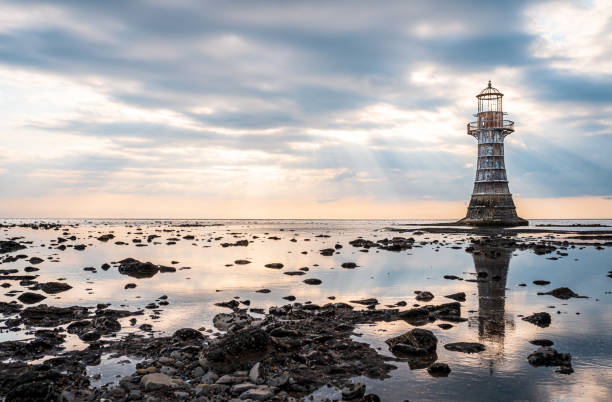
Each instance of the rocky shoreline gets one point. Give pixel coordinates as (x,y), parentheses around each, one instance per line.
(284,353)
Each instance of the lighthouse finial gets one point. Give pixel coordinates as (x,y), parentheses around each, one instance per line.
(489,83)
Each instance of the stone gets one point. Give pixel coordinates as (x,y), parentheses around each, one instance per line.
(542,319)
(563,294)
(8,246)
(274,265)
(349,265)
(155,381)
(439,370)
(54,287)
(366,302)
(353,391)
(188,334)
(90,336)
(465,347)
(256,372)
(424,296)
(414,342)
(546,356)
(31,298)
(542,342)
(209,378)
(541,283)
(313,281)
(457,296)
(241,388)
(258,394)
(238,349)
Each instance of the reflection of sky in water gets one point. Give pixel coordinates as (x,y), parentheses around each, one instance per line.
(501,370)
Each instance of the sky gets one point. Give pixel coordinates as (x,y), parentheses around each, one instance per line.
(299,109)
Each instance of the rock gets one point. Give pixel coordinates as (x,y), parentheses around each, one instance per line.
(563,293)
(239,243)
(31,298)
(258,394)
(312,281)
(242,262)
(414,342)
(294,273)
(542,342)
(439,370)
(353,391)
(274,265)
(50,316)
(35,260)
(445,326)
(232,304)
(230,379)
(349,265)
(282,332)
(541,283)
(54,287)
(90,336)
(263,291)
(239,349)
(366,302)
(241,388)
(542,319)
(8,246)
(452,277)
(106,237)
(424,296)
(209,378)
(256,372)
(224,321)
(465,347)
(106,324)
(289,298)
(155,381)
(188,334)
(546,356)
(10,308)
(457,296)
(327,252)
(130,286)
(137,269)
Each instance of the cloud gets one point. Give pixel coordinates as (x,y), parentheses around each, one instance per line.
(339,99)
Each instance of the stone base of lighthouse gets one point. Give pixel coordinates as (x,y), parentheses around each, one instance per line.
(492,210)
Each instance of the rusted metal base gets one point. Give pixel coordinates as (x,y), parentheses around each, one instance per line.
(492,210)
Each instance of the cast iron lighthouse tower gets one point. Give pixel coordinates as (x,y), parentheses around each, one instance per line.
(491,203)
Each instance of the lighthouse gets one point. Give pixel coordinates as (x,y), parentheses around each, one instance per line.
(491,203)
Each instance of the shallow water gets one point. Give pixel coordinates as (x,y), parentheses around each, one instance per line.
(501,372)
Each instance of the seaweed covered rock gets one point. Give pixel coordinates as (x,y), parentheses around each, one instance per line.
(417,341)
(242,348)
(547,356)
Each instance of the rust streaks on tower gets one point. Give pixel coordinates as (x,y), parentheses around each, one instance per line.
(491,203)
